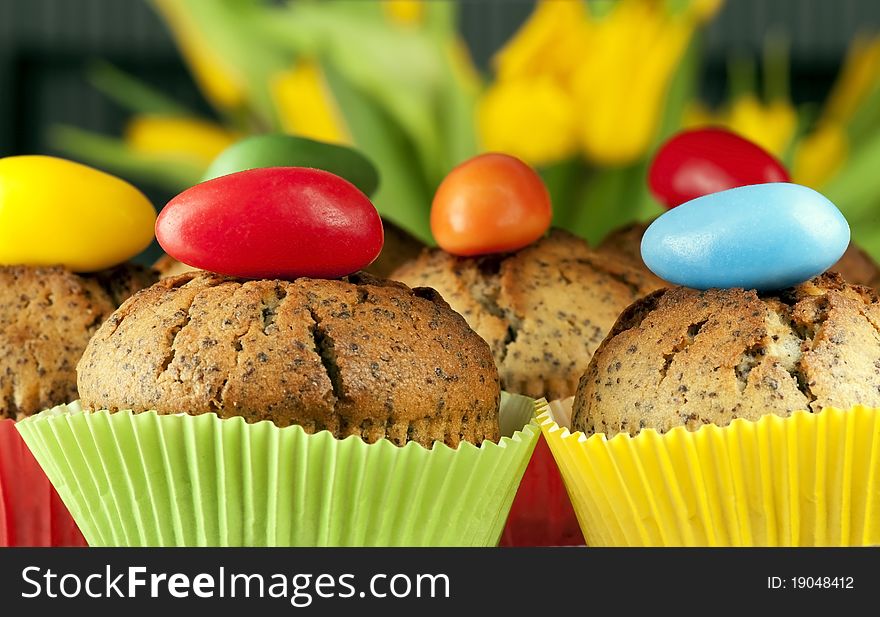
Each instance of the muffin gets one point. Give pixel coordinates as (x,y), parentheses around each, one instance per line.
(287,407)
(223,412)
(682,357)
(857,267)
(167,267)
(47,316)
(543,309)
(729,417)
(625,243)
(360,356)
(67,232)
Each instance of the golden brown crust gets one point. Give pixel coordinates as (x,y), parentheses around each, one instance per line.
(857,267)
(625,243)
(167,267)
(47,315)
(123,281)
(685,357)
(398,248)
(356,357)
(543,310)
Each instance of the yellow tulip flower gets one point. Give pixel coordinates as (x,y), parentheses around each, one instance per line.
(770,125)
(305,104)
(819,155)
(404,12)
(533,119)
(616,67)
(621,82)
(551,42)
(858,76)
(704,10)
(697,115)
(178,137)
(221,83)
(609,74)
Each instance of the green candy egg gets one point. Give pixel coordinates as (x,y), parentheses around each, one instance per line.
(277,150)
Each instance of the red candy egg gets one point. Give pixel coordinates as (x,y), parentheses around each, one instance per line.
(702,161)
(272,222)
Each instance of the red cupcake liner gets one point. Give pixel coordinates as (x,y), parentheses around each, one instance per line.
(31,513)
(542,514)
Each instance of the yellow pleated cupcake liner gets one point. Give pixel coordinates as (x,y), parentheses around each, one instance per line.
(812,479)
(197,480)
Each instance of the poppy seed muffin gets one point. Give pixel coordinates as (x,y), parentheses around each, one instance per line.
(682,357)
(47,316)
(857,267)
(543,309)
(168,267)
(359,356)
(625,243)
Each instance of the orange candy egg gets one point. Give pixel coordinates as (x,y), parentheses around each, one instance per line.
(492,203)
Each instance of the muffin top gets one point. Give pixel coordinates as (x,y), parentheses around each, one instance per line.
(167,267)
(543,309)
(681,357)
(625,243)
(47,315)
(857,267)
(359,356)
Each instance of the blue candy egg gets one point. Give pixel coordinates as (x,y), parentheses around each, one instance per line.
(762,236)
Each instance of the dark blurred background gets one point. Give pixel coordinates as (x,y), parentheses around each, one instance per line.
(45,46)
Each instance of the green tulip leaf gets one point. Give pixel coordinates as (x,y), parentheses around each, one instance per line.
(277,150)
(115,156)
(404,196)
(133,94)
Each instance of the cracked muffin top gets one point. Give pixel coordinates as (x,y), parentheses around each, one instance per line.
(358,356)
(625,243)
(543,309)
(47,316)
(682,357)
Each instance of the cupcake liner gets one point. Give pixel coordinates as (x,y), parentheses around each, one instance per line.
(31,513)
(812,479)
(179,480)
(542,514)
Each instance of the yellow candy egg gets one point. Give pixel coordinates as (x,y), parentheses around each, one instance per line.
(57,212)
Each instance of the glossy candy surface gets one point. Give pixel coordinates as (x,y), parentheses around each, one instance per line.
(764,236)
(277,150)
(57,212)
(698,162)
(274,222)
(492,203)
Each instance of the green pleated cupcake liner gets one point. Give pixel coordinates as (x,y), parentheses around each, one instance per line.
(178,480)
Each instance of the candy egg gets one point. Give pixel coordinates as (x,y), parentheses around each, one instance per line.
(57,212)
(272,222)
(694,163)
(763,236)
(276,150)
(492,203)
